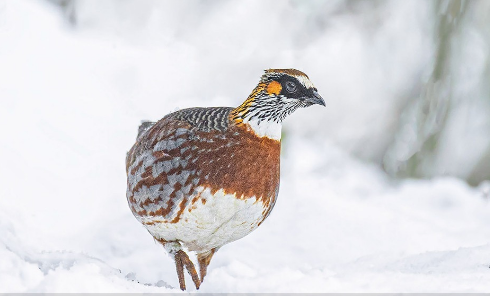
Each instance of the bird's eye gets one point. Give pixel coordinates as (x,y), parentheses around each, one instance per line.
(291,86)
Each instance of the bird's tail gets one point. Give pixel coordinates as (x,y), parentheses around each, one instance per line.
(144,126)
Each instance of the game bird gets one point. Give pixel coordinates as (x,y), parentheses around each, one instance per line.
(200,178)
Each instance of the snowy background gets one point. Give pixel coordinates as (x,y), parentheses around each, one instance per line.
(385,190)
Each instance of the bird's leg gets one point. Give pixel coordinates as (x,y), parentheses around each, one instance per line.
(185,261)
(182,260)
(180,272)
(204,259)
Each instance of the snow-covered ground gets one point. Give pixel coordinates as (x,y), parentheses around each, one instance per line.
(70,106)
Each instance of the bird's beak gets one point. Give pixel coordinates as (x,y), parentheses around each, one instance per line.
(315,99)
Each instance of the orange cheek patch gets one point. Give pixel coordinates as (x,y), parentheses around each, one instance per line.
(274,88)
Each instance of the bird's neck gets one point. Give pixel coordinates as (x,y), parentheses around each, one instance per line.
(253,115)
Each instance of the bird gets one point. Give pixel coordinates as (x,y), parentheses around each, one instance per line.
(202,177)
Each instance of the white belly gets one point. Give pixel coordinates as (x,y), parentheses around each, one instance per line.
(221,219)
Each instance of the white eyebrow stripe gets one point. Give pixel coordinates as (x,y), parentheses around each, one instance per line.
(305,81)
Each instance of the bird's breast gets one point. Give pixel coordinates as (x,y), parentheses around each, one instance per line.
(238,163)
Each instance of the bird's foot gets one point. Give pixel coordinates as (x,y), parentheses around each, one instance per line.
(182,260)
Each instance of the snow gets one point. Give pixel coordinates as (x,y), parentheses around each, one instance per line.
(71,104)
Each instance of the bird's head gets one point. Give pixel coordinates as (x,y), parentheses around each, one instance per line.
(279,93)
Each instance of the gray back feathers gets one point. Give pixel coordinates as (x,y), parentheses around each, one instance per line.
(205,119)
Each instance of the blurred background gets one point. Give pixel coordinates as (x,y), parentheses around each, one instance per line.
(406,83)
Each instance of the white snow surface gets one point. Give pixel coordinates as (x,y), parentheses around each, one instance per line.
(71,104)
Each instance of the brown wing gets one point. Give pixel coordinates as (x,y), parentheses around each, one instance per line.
(161,166)
(160,177)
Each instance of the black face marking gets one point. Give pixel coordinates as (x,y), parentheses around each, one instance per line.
(292,88)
